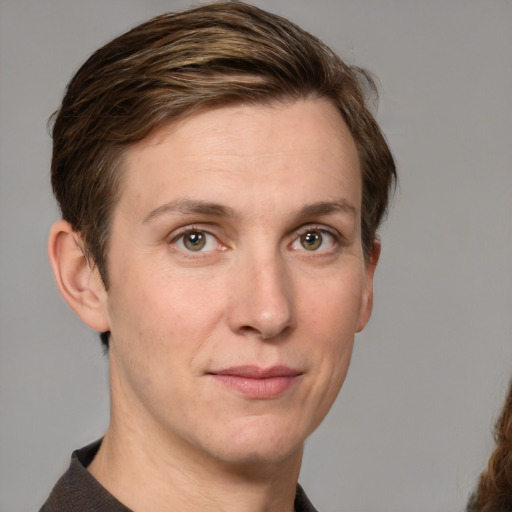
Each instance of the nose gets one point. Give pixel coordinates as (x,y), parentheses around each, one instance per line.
(262,304)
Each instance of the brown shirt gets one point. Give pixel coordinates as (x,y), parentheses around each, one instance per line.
(78,491)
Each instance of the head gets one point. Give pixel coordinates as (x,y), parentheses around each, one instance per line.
(179,64)
(221,181)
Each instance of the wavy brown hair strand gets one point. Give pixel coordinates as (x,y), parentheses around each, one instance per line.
(494,491)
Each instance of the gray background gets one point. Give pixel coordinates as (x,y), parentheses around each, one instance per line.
(411,428)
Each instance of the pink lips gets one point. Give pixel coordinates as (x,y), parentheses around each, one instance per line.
(258,383)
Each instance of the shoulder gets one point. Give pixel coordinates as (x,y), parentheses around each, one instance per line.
(302,503)
(79,491)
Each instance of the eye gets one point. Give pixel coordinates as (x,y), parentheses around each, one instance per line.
(314,240)
(197,241)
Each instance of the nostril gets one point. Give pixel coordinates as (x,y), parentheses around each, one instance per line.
(247,329)
(263,334)
(263,307)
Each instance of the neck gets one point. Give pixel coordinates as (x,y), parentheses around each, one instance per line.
(150,470)
(146,478)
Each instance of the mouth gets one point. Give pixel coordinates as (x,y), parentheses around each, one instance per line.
(258,383)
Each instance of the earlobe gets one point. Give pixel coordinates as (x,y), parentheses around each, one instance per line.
(365,312)
(77,279)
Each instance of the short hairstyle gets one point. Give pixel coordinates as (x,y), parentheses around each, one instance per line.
(177,64)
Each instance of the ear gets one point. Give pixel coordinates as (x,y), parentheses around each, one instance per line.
(365,311)
(77,279)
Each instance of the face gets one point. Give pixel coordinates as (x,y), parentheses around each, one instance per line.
(237,279)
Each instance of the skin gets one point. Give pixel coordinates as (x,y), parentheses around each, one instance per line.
(280,282)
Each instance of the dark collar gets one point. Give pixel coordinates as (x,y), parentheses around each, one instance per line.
(79,491)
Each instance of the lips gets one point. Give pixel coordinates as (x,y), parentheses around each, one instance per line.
(258,383)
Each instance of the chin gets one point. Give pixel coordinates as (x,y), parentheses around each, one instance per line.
(259,445)
(259,455)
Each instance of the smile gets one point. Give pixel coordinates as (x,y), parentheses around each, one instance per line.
(258,383)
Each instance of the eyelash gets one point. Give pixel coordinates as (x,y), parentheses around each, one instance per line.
(188,231)
(338,239)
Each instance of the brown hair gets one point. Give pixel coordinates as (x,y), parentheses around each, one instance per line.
(179,63)
(494,491)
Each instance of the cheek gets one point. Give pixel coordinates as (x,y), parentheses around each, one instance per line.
(334,310)
(331,319)
(156,335)
(163,315)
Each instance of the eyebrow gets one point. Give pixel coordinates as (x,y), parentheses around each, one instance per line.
(188,206)
(327,207)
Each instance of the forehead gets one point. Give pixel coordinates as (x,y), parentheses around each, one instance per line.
(246,151)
